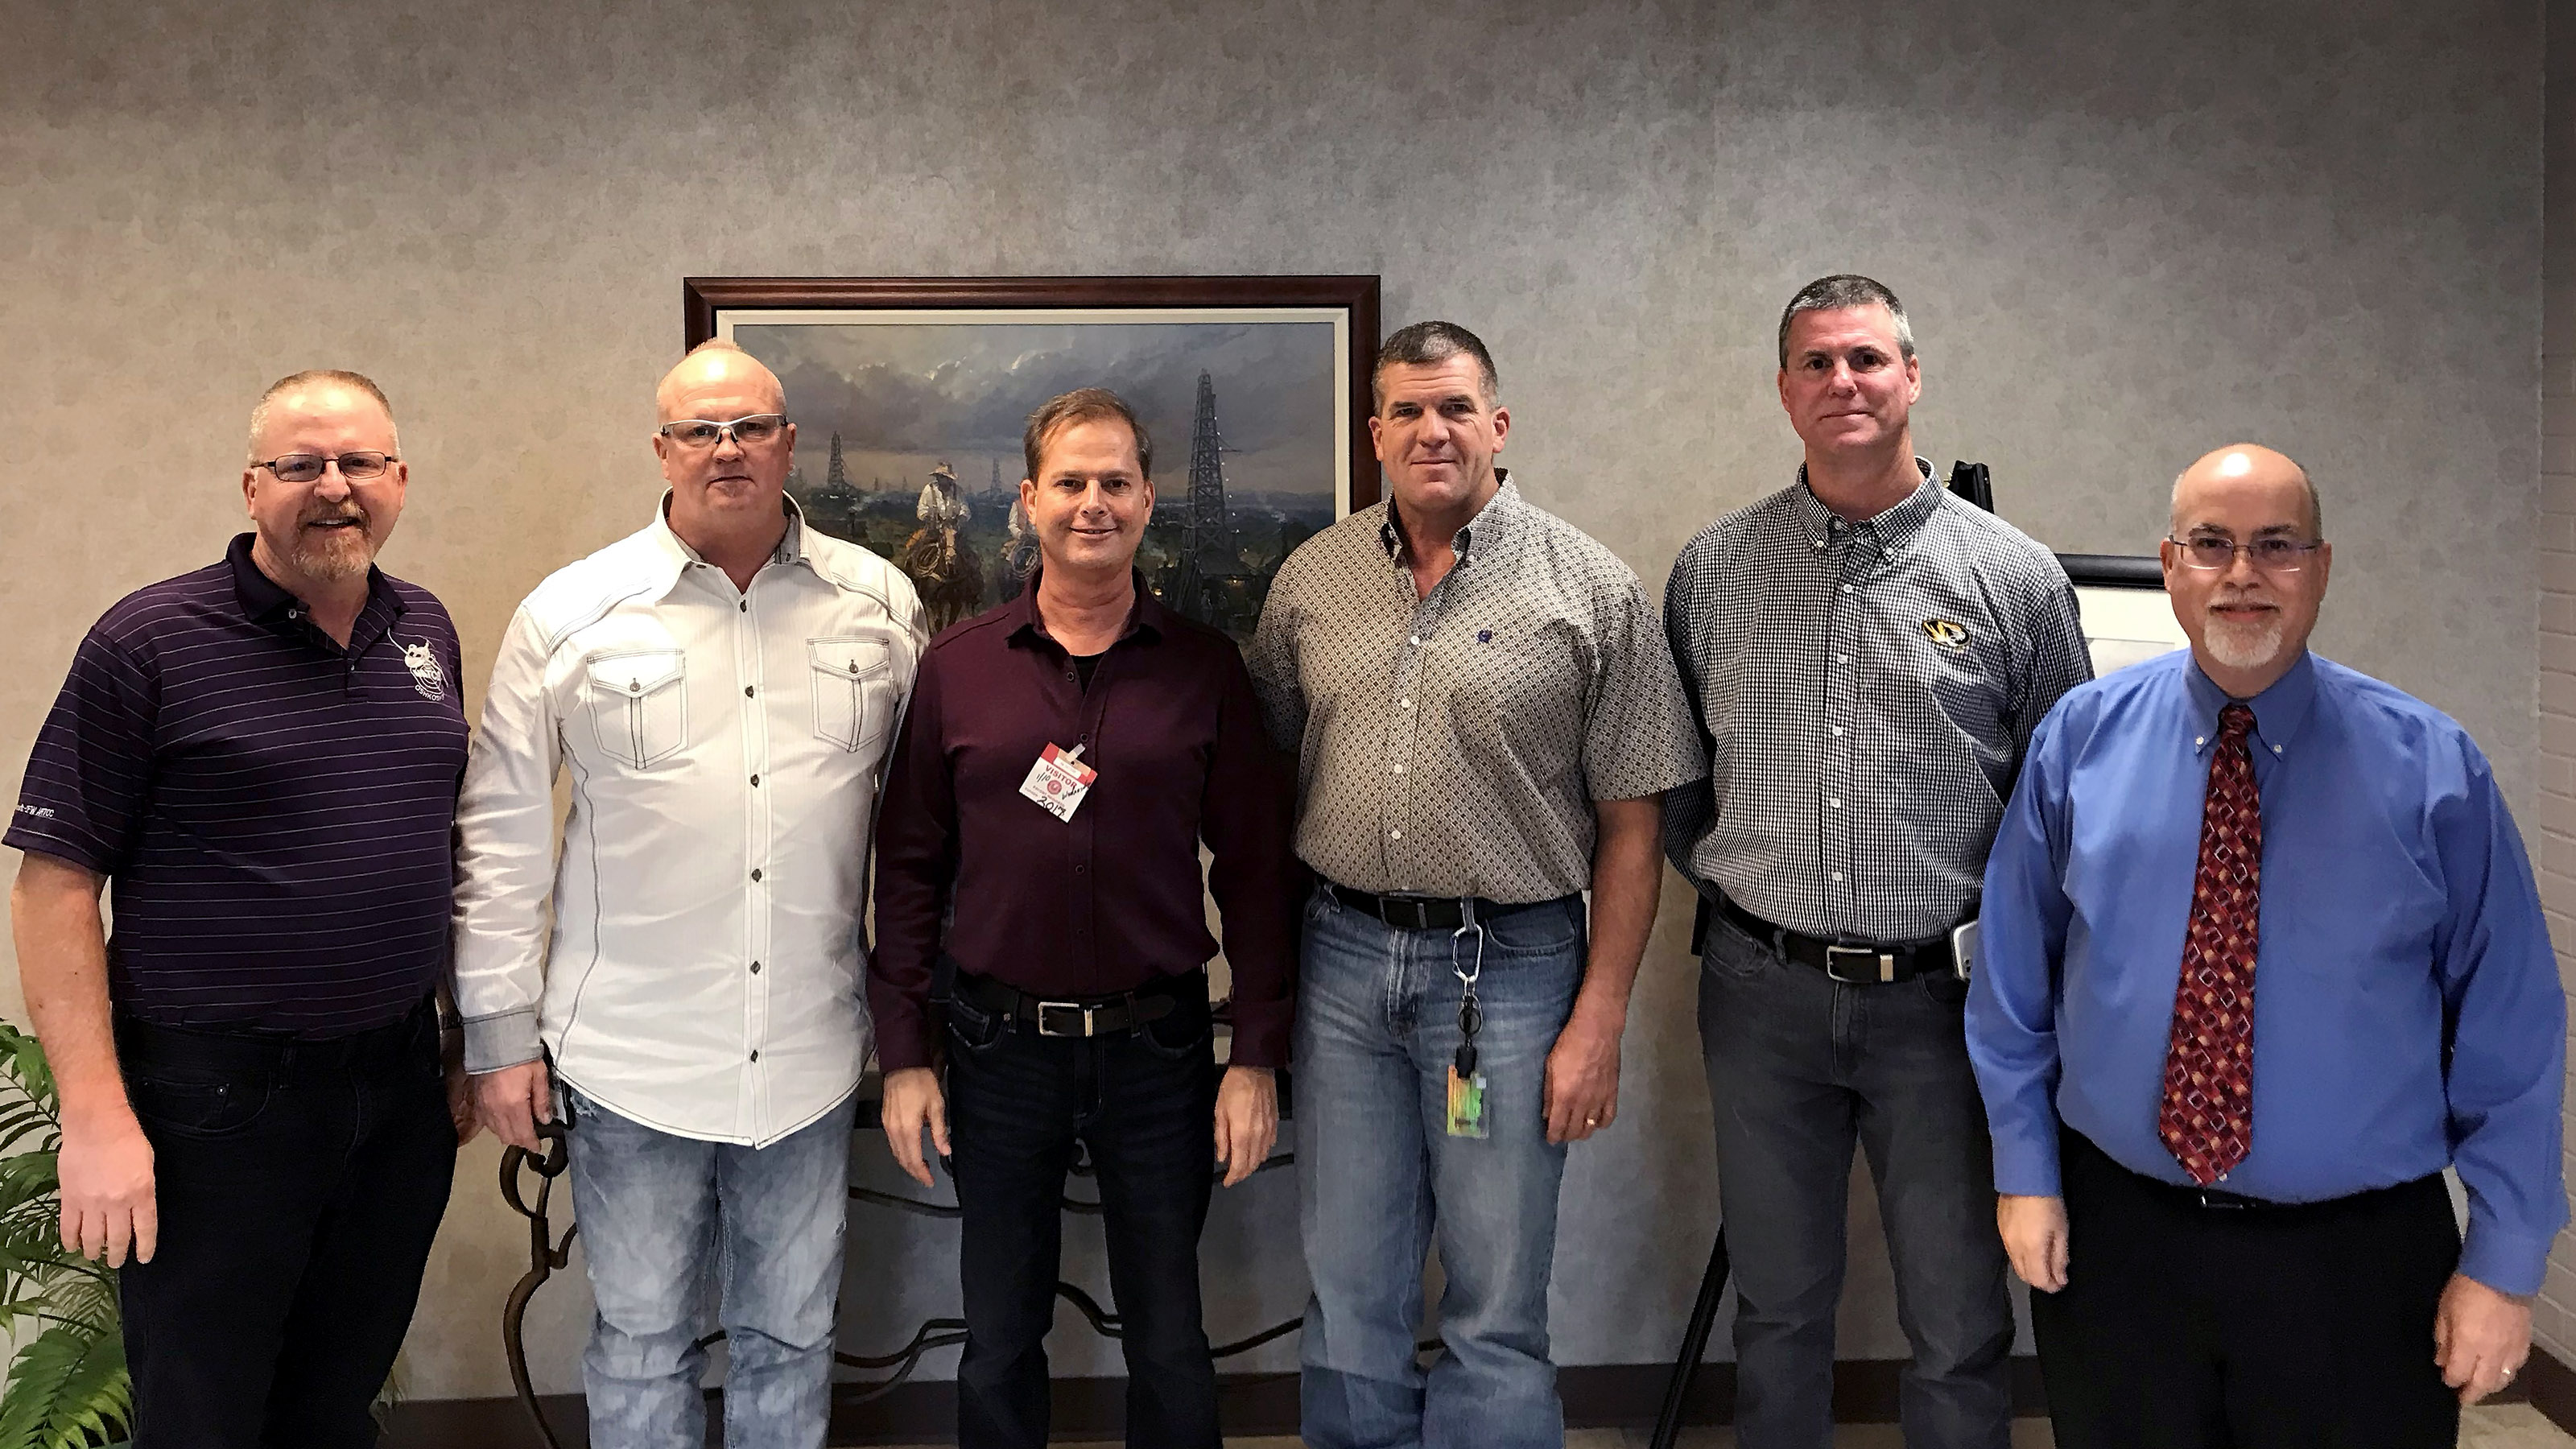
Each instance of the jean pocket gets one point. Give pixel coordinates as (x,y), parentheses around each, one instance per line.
(972,1028)
(1728,951)
(639,705)
(1946,988)
(1177,1037)
(198,1105)
(1544,930)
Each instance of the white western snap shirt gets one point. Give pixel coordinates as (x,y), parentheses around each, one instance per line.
(699,971)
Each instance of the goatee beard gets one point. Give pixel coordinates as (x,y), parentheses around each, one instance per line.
(332,557)
(2244,646)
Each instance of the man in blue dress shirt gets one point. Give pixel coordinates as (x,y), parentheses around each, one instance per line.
(2261,956)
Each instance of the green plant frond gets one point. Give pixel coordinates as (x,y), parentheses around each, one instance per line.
(27,1122)
(24,1068)
(67,1389)
(27,1176)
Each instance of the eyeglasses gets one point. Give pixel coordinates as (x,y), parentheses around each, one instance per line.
(2271,555)
(305,467)
(750,432)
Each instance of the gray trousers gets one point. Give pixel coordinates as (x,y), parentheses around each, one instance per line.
(1799,1068)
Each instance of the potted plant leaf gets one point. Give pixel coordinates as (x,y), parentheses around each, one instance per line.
(68,1387)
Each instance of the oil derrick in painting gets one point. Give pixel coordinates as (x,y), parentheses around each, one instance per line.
(1211,584)
(835,507)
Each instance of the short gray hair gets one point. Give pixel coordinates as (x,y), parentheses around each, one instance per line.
(312,377)
(1428,344)
(1841,290)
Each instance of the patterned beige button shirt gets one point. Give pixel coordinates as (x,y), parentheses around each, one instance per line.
(1454,745)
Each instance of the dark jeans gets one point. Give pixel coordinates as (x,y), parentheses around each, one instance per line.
(1799,1068)
(299,1186)
(1144,1104)
(2187,1327)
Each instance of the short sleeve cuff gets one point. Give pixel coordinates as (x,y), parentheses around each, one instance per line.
(27,833)
(505,1040)
(2506,1262)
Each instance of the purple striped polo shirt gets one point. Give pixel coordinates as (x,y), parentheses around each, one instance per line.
(274,812)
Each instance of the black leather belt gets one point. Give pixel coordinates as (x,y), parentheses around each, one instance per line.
(1425,913)
(1078,1015)
(1851,963)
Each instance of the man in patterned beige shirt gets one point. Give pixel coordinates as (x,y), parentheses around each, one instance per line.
(1485,718)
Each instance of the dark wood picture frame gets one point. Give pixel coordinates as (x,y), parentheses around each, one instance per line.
(702,297)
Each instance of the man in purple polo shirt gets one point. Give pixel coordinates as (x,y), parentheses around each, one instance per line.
(1064,757)
(263,757)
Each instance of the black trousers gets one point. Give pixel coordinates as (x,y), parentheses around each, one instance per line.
(299,1186)
(2191,1327)
(1143,1102)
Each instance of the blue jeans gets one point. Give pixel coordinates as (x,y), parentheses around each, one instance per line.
(1377,1025)
(1144,1103)
(1799,1068)
(659,1215)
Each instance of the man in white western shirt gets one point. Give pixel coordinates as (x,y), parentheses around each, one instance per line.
(723,687)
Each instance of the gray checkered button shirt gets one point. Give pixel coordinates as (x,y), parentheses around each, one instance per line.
(1865,692)
(1453,745)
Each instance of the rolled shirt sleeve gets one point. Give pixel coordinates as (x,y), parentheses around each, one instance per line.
(505,829)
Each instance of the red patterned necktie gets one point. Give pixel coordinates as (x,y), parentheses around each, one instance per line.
(2207,1120)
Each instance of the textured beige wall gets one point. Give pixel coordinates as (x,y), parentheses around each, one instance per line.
(2127,231)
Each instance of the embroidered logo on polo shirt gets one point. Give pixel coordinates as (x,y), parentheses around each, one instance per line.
(426,676)
(1946,634)
(41,812)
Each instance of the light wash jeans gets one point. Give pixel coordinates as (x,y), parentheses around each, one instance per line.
(661,1214)
(1377,1025)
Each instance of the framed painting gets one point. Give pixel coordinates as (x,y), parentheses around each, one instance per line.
(910,395)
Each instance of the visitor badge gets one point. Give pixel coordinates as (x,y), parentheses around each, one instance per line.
(1059,780)
(1466,1104)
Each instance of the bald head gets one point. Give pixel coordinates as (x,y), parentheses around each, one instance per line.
(2239,467)
(717,368)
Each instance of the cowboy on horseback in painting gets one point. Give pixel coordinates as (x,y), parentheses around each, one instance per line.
(941,563)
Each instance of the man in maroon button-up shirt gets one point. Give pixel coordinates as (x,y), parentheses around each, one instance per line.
(1078,937)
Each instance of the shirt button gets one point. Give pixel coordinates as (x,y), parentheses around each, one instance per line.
(1838,875)
(1399,769)
(755,779)
(1408,704)
(746,606)
(755,968)
(755,872)
(1842,659)
(746,691)
(1415,641)
(1838,729)
(1395,835)
(1847,588)
(755,1056)
(2198,740)
(1837,804)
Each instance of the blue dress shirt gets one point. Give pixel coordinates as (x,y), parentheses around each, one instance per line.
(2407,1011)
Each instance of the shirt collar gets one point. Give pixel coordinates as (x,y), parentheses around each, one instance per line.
(2278,711)
(1146,616)
(1491,526)
(673,556)
(1890,526)
(263,598)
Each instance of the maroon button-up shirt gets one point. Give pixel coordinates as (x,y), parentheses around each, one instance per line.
(1111,899)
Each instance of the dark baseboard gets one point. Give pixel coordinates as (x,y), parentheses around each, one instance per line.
(1597,1396)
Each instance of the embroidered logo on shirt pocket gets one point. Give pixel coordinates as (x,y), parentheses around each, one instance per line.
(853,690)
(639,705)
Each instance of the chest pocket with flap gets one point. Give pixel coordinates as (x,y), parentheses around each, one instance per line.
(853,690)
(639,705)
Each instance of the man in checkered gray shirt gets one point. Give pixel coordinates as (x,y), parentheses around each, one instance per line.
(1867,656)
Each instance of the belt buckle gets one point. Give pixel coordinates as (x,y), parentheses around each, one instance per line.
(2216,1201)
(1886,964)
(1074,1007)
